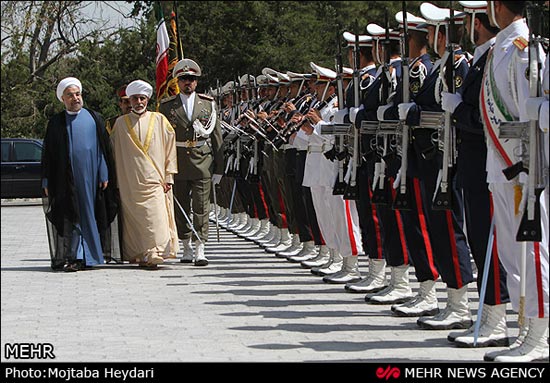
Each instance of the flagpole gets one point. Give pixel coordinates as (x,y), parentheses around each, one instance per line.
(180,48)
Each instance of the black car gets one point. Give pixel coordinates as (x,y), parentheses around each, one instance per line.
(21,168)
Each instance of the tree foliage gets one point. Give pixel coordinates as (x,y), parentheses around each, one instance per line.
(45,41)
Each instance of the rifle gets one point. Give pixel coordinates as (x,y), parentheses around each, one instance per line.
(219,99)
(402,200)
(339,185)
(380,194)
(530,228)
(351,189)
(443,195)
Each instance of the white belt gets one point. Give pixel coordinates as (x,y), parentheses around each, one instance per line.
(190,144)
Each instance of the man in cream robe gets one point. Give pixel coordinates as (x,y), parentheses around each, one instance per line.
(144,148)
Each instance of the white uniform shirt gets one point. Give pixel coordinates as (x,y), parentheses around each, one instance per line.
(320,171)
(188,103)
(508,61)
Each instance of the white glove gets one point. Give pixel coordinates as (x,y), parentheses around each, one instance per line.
(404,109)
(376,176)
(532,107)
(353,113)
(339,116)
(381,110)
(397,181)
(449,101)
(216,178)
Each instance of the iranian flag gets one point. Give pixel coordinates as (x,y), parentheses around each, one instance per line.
(163,45)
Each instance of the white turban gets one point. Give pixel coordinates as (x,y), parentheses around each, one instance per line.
(139,87)
(65,83)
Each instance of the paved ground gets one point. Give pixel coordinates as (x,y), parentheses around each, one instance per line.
(246,306)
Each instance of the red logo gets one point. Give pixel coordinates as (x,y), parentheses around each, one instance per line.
(388,372)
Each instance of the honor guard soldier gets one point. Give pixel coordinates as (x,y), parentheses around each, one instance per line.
(314,251)
(376,237)
(504,91)
(450,250)
(417,244)
(234,155)
(242,161)
(199,144)
(266,230)
(249,146)
(271,162)
(309,234)
(370,229)
(280,176)
(226,114)
(472,181)
(337,218)
(259,218)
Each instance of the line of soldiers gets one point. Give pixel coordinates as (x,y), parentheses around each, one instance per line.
(396,159)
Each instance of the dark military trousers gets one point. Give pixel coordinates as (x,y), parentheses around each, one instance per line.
(285,175)
(451,252)
(195,195)
(297,211)
(382,228)
(243,188)
(267,186)
(305,210)
(261,210)
(271,189)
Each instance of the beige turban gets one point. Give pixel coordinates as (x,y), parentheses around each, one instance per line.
(65,83)
(139,87)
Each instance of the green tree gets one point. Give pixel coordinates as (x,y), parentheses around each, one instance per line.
(45,41)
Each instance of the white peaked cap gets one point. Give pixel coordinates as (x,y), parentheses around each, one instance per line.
(435,15)
(247,80)
(323,74)
(65,83)
(271,75)
(474,6)
(283,78)
(413,22)
(348,72)
(377,32)
(364,40)
(139,87)
(293,76)
(262,80)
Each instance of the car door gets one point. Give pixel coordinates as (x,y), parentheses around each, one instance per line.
(27,170)
(7,170)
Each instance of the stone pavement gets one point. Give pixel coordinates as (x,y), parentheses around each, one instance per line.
(246,306)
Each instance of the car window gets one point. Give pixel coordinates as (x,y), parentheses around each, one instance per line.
(27,152)
(5,151)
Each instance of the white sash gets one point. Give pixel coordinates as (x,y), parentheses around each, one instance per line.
(493,112)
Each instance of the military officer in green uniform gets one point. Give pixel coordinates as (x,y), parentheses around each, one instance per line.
(200,157)
(123,103)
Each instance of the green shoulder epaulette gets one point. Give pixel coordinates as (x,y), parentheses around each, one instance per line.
(168,99)
(205,96)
